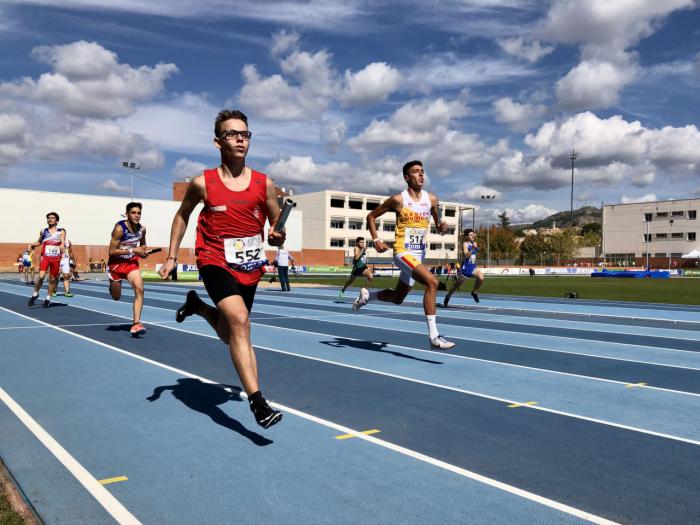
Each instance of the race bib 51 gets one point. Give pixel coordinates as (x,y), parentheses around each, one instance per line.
(415,238)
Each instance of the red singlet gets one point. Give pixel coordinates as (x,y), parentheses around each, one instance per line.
(231,227)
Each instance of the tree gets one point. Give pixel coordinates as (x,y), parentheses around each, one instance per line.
(563,244)
(502,244)
(533,247)
(505,221)
(591,227)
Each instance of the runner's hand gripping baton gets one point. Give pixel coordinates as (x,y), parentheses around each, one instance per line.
(284,214)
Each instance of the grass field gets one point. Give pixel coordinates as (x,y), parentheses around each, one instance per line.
(674,291)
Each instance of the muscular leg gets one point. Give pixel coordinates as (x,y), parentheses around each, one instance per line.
(66,282)
(53,284)
(422,274)
(459,280)
(136,281)
(115,289)
(368,277)
(39,282)
(478,280)
(234,320)
(397,295)
(348,283)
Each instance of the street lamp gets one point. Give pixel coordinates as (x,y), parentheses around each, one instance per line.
(488,231)
(131,166)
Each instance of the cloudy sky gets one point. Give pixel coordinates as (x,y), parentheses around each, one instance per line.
(491,94)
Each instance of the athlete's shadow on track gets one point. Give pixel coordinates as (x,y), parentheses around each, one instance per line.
(205,398)
(339,342)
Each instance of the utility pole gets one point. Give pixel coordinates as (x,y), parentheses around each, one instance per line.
(488,234)
(573,158)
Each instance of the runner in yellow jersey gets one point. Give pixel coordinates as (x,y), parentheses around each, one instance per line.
(413,208)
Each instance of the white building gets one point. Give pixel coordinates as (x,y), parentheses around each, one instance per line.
(333,219)
(664,229)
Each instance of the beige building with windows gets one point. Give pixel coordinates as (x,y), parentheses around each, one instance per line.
(665,229)
(334,219)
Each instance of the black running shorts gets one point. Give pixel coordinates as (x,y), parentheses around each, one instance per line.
(220,284)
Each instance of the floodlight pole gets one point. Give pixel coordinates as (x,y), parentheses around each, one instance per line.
(647,239)
(488,235)
(131,166)
(670,241)
(572,156)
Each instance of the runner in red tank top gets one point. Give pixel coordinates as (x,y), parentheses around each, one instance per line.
(230,249)
(51,240)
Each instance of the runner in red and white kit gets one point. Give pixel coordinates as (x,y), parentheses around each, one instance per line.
(126,247)
(51,240)
(230,250)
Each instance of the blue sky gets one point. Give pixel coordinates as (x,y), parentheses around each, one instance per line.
(490,94)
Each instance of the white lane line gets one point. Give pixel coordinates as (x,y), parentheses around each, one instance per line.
(471,338)
(346,430)
(428,383)
(87,480)
(455,356)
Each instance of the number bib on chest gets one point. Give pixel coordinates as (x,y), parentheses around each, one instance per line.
(245,253)
(415,239)
(52,251)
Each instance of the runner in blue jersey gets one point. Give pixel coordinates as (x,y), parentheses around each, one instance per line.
(469,248)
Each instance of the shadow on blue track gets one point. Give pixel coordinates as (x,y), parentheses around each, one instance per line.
(206,398)
(373,346)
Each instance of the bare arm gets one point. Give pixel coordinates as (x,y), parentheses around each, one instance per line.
(63,239)
(441,226)
(114,249)
(33,245)
(196,192)
(393,203)
(273,214)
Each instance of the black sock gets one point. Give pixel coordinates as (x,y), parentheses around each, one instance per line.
(256,399)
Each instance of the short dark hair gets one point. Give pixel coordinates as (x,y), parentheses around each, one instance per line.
(467,231)
(133,205)
(228,114)
(409,165)
(359,239)
(54,214)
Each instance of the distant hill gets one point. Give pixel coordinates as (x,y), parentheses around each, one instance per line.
(562,219)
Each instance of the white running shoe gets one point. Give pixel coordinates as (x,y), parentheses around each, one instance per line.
(441,343)
(362,300)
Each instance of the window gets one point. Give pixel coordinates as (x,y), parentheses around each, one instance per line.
(435,246)
(388,227)
(450,230)
(677,235)
(661,214)
(433,229)
(449,246)
(351,243)
(354,224)
(691,236)
(692,214)
(337,223)
(677,214)
(660,254)
(676,254)
(354,204)
(372,204)
(450,212)
(337,243)
(337,202)
(647,217)
(661,236)
(647,237)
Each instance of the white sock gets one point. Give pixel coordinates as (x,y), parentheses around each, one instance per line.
(48,296)
(373,296)
(432,326)
(35,294)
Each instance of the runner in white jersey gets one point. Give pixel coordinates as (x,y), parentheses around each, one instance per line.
(413,208)
(66,256)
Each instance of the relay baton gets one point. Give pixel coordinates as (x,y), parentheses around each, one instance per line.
(154,250)
(284,215)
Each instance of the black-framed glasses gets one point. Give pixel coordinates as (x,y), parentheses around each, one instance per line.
(233,134)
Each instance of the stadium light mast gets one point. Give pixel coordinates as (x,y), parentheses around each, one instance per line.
(488,234)
(572,156)
(131,166)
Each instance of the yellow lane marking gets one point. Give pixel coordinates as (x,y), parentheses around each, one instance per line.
(632,385)
(529,403)
(368,432)
(112,480)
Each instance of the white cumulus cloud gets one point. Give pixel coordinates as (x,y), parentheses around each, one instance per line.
(113,186)
(187,169)
(518,117)
(649,197)
(594,84)
(530,51)
(372,84)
